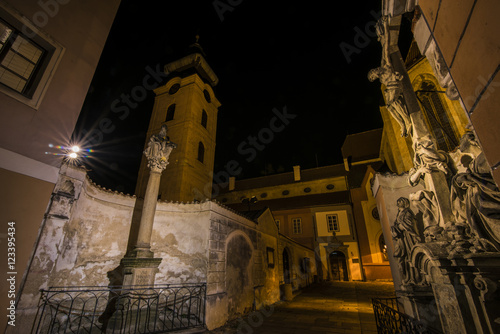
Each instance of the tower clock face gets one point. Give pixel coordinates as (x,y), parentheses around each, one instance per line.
(174,89)
(207,96)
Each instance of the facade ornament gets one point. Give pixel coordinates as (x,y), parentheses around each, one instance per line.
(427,159)
(391,79)
(405,237)
(158,150)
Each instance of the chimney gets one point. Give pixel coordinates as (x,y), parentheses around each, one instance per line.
(296,173)
(232,180)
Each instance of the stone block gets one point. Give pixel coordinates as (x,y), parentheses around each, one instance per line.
(450,25)
(486,123)
(478,54)
(211,288)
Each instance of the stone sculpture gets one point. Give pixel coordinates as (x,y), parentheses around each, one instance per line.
(405,237)
(391,80)
(158,150)
(426,160)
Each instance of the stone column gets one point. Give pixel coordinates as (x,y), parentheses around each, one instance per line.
(140,266)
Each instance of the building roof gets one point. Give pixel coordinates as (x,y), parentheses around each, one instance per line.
(288,178)
(284,203)
(362,146)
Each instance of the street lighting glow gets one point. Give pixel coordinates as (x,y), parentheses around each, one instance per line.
(72,155)
(75,149)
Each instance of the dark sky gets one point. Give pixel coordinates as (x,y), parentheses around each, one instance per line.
(266,55)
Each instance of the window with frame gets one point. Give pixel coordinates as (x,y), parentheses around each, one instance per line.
(332,222)
(20,59)
(204,118)
(297,225)
(28,58)
(170,113)
(201,152)
(277,221)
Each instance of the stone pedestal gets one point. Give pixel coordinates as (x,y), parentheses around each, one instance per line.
(139,271)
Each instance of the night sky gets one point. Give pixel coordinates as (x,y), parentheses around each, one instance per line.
(287,54)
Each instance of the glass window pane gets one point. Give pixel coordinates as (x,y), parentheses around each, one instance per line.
(27,49)
(11,80)
(18,64)
(5,33)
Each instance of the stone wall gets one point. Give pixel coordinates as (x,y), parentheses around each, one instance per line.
(88,230)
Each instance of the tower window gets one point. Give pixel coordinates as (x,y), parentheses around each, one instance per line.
(201,151)
(174,89)
(297,225)
(207,96)
(170,113)
(204,119)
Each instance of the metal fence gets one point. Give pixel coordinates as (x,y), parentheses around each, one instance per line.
(157,309)
(390,320)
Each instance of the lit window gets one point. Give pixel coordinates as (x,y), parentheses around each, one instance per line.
(332,222)
(201,151)
(170,113)
(20,59)
(28,58)
(297,225)
(278,223)
(204,119)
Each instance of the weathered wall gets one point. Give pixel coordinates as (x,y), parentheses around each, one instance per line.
(89,229)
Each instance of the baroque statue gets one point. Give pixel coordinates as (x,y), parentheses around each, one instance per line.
(158,150)
(391,80)
(475,199)
(426,160)
(405,237)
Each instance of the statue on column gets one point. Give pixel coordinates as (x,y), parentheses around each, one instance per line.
(158,150)
(405,237)
(391,80)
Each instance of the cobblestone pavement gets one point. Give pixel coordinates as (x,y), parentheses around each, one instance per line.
(333,307)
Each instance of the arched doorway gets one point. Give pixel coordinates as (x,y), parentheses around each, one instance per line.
(338,265)
(286,267)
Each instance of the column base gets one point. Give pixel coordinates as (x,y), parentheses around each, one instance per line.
(139,271)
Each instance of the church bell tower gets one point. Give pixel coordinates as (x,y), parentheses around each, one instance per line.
(188,106)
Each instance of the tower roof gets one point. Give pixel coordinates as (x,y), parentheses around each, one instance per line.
(194,60)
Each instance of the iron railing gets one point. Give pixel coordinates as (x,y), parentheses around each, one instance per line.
(119,310)
(390,320)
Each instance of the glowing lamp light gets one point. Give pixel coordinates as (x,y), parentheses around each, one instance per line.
(75,149)
(72,155)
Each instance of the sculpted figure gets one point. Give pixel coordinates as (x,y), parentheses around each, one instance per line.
(158,150)
(391,80)
(405,238)
(426,160)
(475,200)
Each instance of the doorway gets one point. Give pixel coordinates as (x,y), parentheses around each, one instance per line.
(338,265)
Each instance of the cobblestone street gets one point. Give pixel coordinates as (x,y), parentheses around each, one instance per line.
(333,307)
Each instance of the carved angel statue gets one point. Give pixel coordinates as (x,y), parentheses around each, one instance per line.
(159,149)
(391,80)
